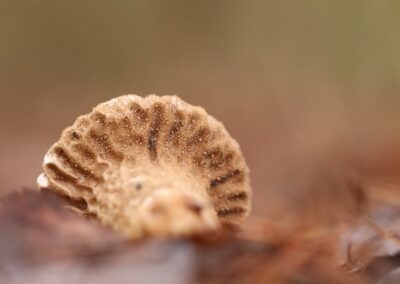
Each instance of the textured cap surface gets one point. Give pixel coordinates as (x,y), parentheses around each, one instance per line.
(113,159)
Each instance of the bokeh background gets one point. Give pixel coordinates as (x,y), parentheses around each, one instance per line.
(310,89)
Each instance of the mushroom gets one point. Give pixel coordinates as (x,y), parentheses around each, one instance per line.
(150,167)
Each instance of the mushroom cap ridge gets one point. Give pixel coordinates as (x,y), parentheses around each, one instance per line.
(112,159)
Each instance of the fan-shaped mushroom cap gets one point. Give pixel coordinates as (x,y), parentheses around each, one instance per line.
(150,166)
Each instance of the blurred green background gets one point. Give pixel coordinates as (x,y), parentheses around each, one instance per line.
(302,85)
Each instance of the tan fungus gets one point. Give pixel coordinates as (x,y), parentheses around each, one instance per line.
(153,166)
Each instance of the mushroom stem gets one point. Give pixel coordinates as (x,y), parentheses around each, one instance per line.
(170,212)
(155,201)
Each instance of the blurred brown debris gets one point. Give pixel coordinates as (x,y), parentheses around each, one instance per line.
(36,227)
(41,240)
